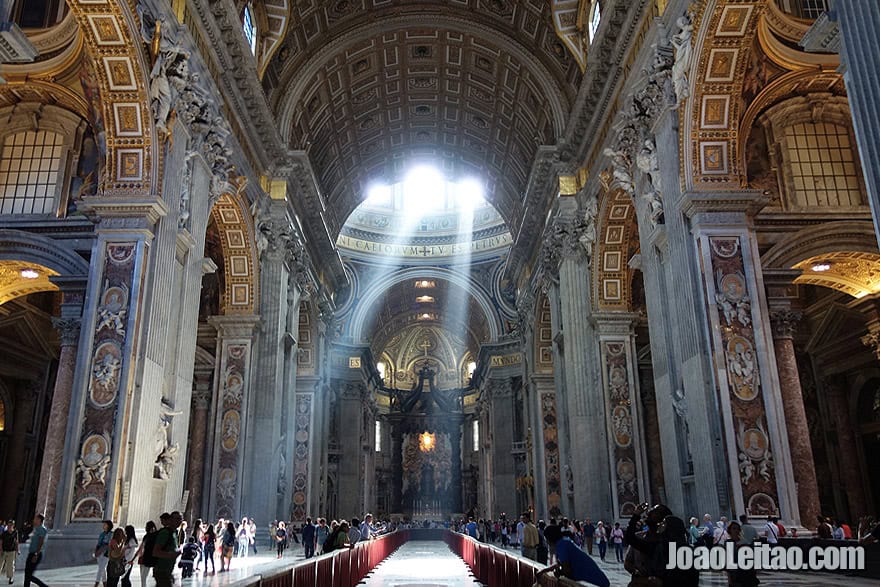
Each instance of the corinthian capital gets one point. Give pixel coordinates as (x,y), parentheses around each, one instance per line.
(785,322)
(68,328)
(872,341)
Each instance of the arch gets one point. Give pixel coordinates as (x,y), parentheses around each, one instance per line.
(241,259)
(111,35)
(21,250)
(615,230)
(372,294)
(831,237)
(17,245)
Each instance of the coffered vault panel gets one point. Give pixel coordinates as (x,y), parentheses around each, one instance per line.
(367,89)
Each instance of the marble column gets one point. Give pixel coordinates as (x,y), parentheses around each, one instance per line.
(396,468)
(267,445)
(501,477)
(201,402)
(232,391)
(653,446)
(847,453)
(784,323)
(455,441)
(56,429)
(621,397)
(585,405)
(856,37)
(25,400)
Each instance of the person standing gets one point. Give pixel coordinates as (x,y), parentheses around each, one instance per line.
(321,534)
(531,538)
(209,545)
(145,551)
(116,557)
(131,553)
(101,549)
(35,551)
(281,539)
(165,550)
(589,531)
(748,533)
(617,541)
(601,539)
(11,549)
(308,534)
(227,546)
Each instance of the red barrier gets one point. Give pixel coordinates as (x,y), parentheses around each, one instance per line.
(324,574)
(526,574)
(342,567)
(304,574)
(283,579)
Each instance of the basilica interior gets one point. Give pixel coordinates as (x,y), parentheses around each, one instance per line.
(281,258)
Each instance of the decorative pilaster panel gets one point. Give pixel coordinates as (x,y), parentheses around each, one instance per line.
(302,440)
(551,452)
(100,439)
(234,356)
(622,404)
(746,379)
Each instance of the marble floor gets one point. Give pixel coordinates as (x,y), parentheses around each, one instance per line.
(416,564)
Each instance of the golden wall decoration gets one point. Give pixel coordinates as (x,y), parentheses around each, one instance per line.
(110,31)
(237,240)
(618,234)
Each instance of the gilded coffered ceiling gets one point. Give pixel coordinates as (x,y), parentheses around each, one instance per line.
(365,88)
(20,278)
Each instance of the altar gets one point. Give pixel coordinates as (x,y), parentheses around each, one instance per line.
(426,429)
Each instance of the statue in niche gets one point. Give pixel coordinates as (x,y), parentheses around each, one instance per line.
(170,69)
(679,404)
(621,174)
(681,43)
(647,162)
(165,452)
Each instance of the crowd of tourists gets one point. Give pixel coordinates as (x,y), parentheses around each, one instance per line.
(567,546)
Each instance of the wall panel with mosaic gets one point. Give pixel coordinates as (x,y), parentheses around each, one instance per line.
(230,427)
(107,384)
(743,392)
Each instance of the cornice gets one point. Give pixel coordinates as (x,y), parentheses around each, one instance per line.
(238,81)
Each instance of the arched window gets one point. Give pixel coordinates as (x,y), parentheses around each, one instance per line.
(595,19)
(30,167)
(38,14)
(806,9)
(822,165)
(249,25)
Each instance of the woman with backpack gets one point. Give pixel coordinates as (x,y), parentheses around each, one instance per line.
(144,554)
(116,557)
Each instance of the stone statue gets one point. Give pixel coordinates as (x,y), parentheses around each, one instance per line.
(647,162)
(620,170)
(166,460)
(681,43)
(679,404)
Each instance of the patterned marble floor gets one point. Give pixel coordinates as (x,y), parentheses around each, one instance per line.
(416,564)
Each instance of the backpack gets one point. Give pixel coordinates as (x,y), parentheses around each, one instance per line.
(147,558)
(330,542)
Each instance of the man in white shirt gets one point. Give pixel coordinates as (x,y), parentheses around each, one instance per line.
(772,531)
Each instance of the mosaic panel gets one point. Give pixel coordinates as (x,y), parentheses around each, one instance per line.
(619,402)
(747,429)
(551,452)
(108,374)
(302,437)
(233,390)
